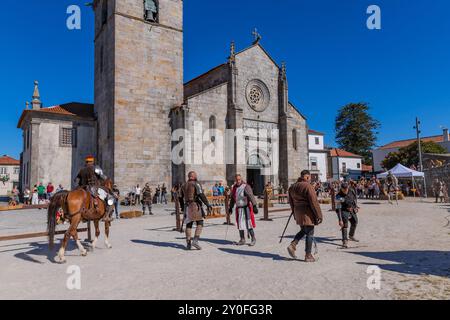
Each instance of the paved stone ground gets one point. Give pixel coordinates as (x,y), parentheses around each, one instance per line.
(409,243)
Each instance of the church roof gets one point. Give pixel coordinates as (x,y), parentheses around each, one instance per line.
(335,152)
(262,48)
(316,133)
(8,161)
(298,111)
(73,109)
(237,53)
(407,142)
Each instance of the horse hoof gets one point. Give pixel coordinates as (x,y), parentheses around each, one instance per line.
(108,246)
(84,253)
(61,260)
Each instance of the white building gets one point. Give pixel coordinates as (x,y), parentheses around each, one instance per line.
(318,156)
(381,153)
(56,141)
(9,174)
(344,164)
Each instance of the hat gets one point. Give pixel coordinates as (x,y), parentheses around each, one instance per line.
(90,159)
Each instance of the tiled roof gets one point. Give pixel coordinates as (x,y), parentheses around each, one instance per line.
(74,109)
(314,132)
(8,161)
(335,152)
(405,143)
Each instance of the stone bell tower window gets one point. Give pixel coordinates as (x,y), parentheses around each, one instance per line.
(151,10)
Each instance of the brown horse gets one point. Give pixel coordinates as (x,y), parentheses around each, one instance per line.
(77,206)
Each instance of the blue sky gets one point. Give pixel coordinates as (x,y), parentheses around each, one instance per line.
(403,70)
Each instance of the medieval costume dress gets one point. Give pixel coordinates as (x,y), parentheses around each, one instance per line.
(246,208)
(192,199)
(147,199)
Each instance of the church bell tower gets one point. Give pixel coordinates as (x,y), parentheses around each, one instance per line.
(138,80)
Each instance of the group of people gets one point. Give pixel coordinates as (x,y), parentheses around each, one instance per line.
(39,194)
(440,190)
(303,200)
(136,196)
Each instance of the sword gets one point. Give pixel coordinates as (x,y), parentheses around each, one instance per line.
(284,232)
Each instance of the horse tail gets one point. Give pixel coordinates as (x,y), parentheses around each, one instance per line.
(56,202)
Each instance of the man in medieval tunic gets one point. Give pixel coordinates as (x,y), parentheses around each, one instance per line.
(147,199)
(193,199)
(89,178)
(347,212)
(246,207)
(307,213)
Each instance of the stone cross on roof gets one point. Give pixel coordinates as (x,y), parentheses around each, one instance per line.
(257,36)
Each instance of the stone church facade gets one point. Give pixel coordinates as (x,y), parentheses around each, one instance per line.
(141,100)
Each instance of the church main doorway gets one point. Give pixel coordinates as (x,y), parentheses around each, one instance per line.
(256,181)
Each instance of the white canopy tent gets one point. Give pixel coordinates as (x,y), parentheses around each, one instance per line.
(401,171)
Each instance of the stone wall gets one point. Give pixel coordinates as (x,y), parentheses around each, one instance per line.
(51,162)
(297,159)
(212,102)
(145,77)
(255,64)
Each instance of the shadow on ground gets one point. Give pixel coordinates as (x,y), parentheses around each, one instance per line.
(160,244)
(435,263)
(213,241)
(38,249)
(257,254)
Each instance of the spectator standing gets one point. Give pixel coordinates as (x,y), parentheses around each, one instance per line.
(215,190)
(50,189)
(41,192)
(137,194)
(164,194)
(35,196)
(59,189)
(27,196)
(116,194)
(221,189)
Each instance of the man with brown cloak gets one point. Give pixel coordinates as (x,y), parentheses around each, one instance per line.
(307,213)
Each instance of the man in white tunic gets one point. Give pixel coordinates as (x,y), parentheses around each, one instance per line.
(246,207)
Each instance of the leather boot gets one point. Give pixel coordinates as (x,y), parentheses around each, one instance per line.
(309,258)
(345,244)
(188,239)
(352,238)
(242,241)
(195,243)
(292,248)
(252,234)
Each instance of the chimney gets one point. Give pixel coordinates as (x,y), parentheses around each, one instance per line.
(446,138)
(36,102)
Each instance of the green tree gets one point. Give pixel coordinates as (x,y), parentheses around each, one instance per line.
(356,130)
(409,156)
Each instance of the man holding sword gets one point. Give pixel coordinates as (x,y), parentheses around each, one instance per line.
(307,213)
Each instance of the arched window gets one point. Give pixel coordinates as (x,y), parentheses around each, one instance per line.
(294,139)
(212,126)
